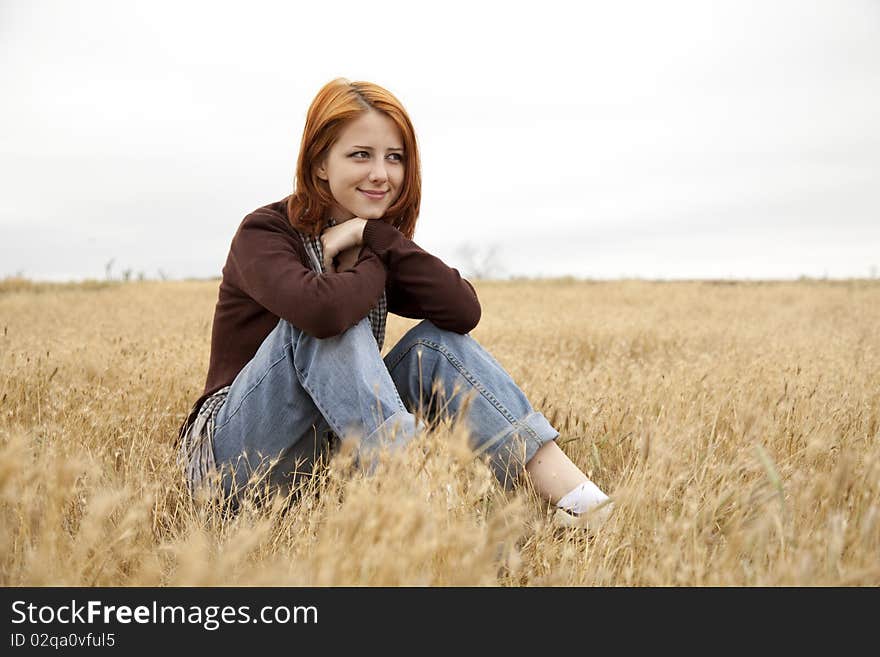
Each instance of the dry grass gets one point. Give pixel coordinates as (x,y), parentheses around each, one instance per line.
(736,425)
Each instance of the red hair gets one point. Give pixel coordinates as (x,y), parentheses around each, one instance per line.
(338,102)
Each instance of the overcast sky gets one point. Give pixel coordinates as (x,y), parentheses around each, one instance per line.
(704,139)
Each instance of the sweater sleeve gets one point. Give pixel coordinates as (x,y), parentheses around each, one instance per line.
(420,285)
(266,266)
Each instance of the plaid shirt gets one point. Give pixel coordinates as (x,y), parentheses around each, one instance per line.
(196,452)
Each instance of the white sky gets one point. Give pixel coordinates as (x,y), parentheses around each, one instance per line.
(596,139)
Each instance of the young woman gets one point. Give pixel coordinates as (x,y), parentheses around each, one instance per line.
(300,320)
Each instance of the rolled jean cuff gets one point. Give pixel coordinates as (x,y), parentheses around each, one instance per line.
(509,453)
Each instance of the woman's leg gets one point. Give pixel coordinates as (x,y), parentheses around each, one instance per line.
(298,387)
(552,473)
(437,370)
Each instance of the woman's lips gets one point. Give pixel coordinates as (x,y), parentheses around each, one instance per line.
(372,195)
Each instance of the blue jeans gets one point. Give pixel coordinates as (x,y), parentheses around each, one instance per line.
(297,390)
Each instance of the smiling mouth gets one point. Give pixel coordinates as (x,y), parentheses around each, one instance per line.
(373,195)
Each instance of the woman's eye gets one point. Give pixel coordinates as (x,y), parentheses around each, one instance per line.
(397,155)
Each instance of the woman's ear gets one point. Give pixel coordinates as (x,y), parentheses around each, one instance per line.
(321,170)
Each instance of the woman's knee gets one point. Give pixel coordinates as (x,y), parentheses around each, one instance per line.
(428,331)
(438,343)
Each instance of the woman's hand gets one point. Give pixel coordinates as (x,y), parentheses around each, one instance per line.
(338,238)
(346,259)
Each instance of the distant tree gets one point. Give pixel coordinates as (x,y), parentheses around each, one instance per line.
(126,275)
(480,262)
(162,275)
(108,268)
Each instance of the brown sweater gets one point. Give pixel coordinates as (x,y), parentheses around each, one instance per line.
(267,277)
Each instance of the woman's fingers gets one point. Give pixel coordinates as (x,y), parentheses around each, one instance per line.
(335,240)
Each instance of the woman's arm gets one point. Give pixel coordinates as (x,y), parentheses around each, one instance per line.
(348,259)
(420,285)
(265,263)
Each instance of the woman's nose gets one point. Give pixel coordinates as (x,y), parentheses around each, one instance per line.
(378,173)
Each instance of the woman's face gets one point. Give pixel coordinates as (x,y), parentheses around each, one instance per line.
(367,156)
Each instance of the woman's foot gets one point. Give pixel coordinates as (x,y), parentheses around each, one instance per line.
(585,506)
(591,520)
(556,478)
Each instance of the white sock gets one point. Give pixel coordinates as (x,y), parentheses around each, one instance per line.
(583,498)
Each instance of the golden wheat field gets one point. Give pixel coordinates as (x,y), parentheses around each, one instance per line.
(735,425)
